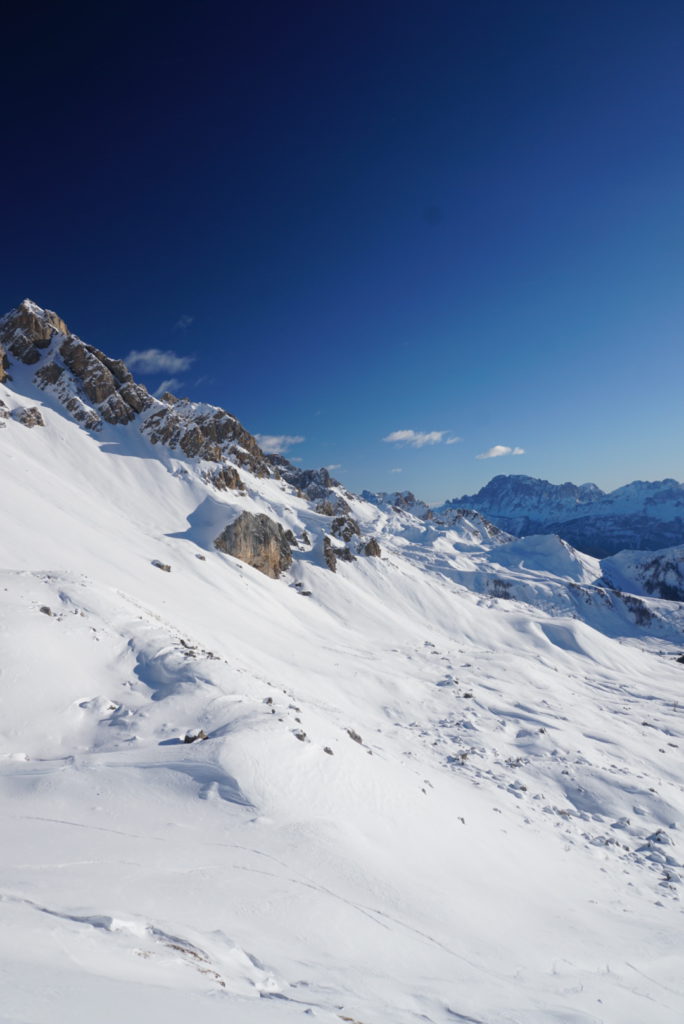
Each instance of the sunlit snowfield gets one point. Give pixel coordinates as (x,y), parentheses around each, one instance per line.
(492,834)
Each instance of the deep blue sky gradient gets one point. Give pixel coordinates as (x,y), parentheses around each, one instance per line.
(465,217)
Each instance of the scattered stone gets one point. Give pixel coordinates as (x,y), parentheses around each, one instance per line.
(353,735)
(372,548)
(192,737)
(328,750)
(45,610)
(202,558)
(305,538)
(300,734)
(344,527)
(259,541)
(680,659)
(30,417)
(161,565)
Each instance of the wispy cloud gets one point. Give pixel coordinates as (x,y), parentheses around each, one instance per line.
(500,449)
(397,470)
(419,438)
(154,360)
(183,322)
(277,444)
(334,465)
(167,385)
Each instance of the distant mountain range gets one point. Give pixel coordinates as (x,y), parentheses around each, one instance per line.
(641,515)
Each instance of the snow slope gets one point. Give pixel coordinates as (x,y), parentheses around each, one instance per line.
(444,784)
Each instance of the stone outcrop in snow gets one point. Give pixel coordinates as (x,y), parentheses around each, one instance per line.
(30,417)
(259,541)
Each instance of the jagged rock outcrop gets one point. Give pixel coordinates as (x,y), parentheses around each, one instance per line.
(344,527)
(329,554)
(315,484)
(28,329)
(211,435)
(332,554)
(30,417)
(372,548)
(225,478)
(4,365)
(259,541)
(4,413)
(401,501)
(95,389)
(90,385)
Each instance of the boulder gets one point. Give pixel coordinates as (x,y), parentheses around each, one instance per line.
(259,541)
(372,548)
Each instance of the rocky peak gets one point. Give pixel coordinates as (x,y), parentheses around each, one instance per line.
(94,389)
(90,386)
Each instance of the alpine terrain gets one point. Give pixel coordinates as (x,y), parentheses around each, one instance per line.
(644,514)
(270,751)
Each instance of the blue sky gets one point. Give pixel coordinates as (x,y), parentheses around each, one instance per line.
(352,220)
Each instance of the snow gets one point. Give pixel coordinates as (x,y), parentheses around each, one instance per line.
(502,845)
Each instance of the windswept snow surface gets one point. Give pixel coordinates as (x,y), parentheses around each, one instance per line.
(492,835)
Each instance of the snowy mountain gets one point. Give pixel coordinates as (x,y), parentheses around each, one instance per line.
(641,515)
(270,750)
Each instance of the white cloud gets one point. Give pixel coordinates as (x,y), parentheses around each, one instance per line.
(500,449)
(397,470)
(167,385)
(417,438)
(154,360)
(276,444)
(334,465)
(453,440)
(183,322)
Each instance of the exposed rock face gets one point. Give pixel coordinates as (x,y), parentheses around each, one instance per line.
(225,478)
(345,528)
(4,413)
(259,541)
(28,329)
(329,554)
(89,385)
(372,548)
(211,435)
(315,484)
(332,554)
(29,417)
(95,389)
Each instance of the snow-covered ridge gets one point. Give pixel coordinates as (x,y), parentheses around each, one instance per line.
(641,515)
